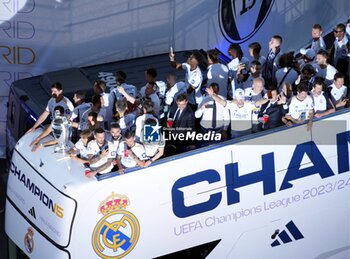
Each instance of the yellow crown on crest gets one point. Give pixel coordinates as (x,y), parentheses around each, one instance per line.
(113,202)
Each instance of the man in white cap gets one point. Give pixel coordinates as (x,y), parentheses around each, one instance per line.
(241,112)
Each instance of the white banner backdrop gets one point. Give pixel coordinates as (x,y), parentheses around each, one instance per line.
(37,36)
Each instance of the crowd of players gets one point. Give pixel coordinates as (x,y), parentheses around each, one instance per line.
(247,95)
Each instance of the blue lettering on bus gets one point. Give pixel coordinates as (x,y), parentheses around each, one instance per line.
(179,207)
(320,165)
(266,175)
(343,152)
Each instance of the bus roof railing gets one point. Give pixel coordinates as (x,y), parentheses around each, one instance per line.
(221,144)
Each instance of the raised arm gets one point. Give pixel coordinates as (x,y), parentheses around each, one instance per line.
(172,60)
(128,97)
(261,102)
(215,97)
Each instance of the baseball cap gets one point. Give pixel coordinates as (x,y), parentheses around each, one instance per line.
(239,94)
(309,53)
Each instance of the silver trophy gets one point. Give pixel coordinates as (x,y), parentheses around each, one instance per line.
(61,129)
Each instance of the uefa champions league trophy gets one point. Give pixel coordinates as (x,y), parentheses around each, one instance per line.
(61,129)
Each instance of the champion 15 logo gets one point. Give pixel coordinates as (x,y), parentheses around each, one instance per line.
(241,19)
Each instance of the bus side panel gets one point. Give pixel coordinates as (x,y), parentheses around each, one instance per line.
(43,205)
(319,228)
(28,239)
(268,195)
(293,186)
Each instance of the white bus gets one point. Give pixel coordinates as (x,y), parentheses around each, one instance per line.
(284,193)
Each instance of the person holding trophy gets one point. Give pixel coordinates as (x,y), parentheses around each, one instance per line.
(61,129)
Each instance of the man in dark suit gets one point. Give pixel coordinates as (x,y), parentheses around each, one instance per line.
(183,118)
(272,111)
(183,123)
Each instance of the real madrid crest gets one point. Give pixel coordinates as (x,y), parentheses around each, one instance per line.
(118,231)
(29,240)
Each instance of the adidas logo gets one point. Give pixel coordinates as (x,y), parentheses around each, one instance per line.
(32,212)
(284,237)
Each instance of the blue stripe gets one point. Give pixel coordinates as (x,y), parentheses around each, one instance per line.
(111,233)
(275,243)
(284,237)
(294,230)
